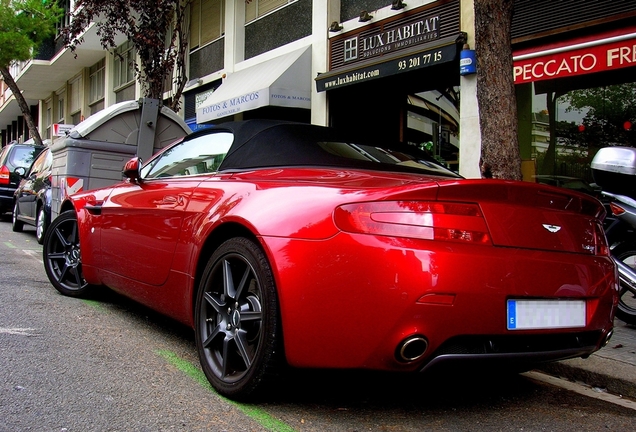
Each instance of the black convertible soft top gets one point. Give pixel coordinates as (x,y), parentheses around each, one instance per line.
(273,143)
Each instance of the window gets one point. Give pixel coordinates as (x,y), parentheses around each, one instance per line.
(124,64)
(96,82)
(65,20)
(48,117)
(61,105)
(201,155)
(257,8)
(75,102)
(351,49)
(207,22)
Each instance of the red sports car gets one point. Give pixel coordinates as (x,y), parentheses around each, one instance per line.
(283,242)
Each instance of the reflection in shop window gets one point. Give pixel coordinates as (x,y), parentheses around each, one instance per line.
(569,127)
(433,124)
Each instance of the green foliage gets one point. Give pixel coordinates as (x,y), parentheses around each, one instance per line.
(24,25)
(156,29)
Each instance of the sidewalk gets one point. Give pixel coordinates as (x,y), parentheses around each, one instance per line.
(612,368)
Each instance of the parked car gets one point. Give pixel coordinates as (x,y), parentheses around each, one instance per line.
(15,160)
(32,198)
(292,243)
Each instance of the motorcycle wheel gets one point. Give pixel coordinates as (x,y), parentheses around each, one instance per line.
(626,310)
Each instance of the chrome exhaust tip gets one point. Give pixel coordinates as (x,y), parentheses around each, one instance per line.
(412,348)
(608,336)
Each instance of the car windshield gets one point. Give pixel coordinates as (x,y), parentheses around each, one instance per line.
(200,155)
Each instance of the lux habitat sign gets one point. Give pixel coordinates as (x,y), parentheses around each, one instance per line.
(397,35)
(391,39)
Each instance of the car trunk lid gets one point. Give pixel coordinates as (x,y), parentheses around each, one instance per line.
(531,216)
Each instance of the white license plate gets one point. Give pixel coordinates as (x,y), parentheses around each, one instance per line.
(545,314)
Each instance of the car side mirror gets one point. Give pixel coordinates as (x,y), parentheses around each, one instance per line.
(21,171)
(132,170)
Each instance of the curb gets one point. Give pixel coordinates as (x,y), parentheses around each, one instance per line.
(614,376)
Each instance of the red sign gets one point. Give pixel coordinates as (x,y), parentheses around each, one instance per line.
(583,58)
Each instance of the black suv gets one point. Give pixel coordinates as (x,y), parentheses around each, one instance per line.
(15,160)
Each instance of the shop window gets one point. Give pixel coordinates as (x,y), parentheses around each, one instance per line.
(257,8)
(207,22)
(568,127)
(433,124)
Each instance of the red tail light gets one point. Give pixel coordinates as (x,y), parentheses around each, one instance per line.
(429,220)
(4,175)
(600,241)
(616,209)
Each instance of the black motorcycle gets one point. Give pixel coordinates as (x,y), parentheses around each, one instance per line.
(614,169)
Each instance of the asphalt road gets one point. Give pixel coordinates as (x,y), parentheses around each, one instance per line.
(108,364)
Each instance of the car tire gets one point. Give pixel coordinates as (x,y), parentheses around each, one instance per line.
(16,225)
(41,222)
(237,324)
(62,257)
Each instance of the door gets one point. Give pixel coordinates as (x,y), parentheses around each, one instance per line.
(141,221)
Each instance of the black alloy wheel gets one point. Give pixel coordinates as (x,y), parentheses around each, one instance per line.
(41,223)
(16,225)
(237,320)
(62,258)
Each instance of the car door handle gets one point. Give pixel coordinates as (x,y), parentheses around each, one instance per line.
(94,209)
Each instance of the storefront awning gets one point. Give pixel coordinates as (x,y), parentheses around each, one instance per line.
(430,54)
(590,54)
(282,81)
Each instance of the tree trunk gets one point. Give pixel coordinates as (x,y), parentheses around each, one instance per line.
(500,157)
(24,107)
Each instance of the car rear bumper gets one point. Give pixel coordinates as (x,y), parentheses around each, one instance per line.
(519,351)
(357,299)
(6,199)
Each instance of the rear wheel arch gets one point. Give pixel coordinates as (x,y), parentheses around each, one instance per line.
(216,238)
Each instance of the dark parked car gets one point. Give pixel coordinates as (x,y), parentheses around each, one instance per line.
(33,197)
(283,243)
(15,160)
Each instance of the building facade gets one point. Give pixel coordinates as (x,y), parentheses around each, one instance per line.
(383,67)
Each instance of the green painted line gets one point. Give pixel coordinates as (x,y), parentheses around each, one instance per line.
(94,304)
(9,245)
(257,414)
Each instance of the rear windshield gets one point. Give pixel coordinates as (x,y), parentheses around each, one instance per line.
(306,145)
(22,156)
